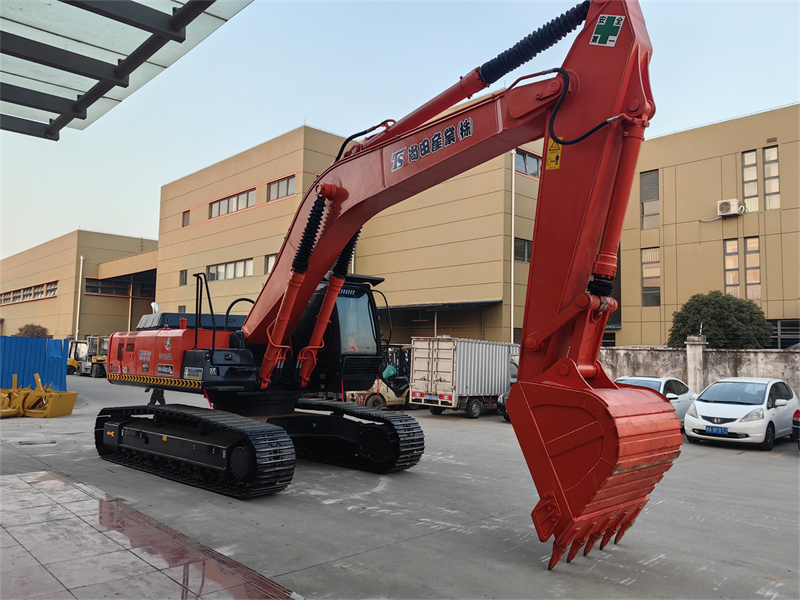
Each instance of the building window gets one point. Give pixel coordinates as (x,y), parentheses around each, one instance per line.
(752,268)
(772,183)
(750,181)
(35,292)
(182,308)
(517,335)
(145,290)
(785,333)
(232,204)
(231,270)
(651,277)
(731,258)
(528,164)
(522,250)
(184,277)
(186,218)
(281,188)
(269,263)
(108,287)
(648,188)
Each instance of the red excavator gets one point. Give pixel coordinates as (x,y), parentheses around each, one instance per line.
(595,449)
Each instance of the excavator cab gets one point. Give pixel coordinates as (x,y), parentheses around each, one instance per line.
(351,356)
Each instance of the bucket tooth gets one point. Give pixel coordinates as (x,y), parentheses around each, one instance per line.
(627,524)
(620,533)
(606,538)
(558,552)
(591,542)
(576,546)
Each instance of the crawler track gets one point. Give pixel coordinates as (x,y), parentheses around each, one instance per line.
(271,450)
(402,434)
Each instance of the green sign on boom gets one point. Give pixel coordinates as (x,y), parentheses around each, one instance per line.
(606,31)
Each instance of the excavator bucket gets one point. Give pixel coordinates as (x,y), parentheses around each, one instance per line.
(12,399)
(594,454)
(44,402)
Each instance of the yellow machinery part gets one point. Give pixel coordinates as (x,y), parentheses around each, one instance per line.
(12,399)
(44,402)
(39,402)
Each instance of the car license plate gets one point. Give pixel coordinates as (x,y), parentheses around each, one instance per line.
(717,430)
(430,397)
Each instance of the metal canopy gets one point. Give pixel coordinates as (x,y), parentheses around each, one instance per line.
(67,63)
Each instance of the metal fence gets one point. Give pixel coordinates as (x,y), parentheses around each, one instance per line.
(26,356)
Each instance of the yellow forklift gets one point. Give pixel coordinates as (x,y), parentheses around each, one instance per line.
(77,353)
(96,357)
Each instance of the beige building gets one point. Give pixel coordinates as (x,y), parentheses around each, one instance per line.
(675,243)
(76,284)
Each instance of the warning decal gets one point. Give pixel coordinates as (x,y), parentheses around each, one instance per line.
(553,160)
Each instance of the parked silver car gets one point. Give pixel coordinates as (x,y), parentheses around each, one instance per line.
(752,410)
(674,390)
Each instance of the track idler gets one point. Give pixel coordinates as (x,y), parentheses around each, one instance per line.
(594,454)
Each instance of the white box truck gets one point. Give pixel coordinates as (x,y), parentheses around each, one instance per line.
(458,374)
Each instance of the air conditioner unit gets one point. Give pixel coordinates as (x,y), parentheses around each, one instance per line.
(728,208)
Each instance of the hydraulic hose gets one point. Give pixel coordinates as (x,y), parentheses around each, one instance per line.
(600,287)
(563,95)
(538,41)
(303,254)
(343,262)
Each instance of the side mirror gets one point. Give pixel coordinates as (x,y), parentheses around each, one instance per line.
(672,396)
(781,402)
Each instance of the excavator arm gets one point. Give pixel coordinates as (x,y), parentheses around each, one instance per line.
(595,451)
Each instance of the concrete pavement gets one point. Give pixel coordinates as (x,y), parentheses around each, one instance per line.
(722,524)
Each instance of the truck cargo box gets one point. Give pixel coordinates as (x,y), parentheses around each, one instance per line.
(460,374)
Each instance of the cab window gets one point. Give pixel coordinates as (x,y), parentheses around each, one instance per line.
(357,328)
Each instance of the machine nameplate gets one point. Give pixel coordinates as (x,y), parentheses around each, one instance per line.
(192,373)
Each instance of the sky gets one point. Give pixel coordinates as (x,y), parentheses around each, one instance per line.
(343,67)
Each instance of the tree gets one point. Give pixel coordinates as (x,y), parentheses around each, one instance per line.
(726,321)
(34,331)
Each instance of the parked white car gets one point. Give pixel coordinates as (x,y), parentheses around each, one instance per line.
(751,410)
(674,390)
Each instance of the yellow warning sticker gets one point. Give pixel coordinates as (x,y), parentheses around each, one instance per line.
(553,160)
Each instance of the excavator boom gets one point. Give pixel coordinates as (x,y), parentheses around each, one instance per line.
(595,451)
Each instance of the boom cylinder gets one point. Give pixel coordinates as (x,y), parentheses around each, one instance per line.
(605,264)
